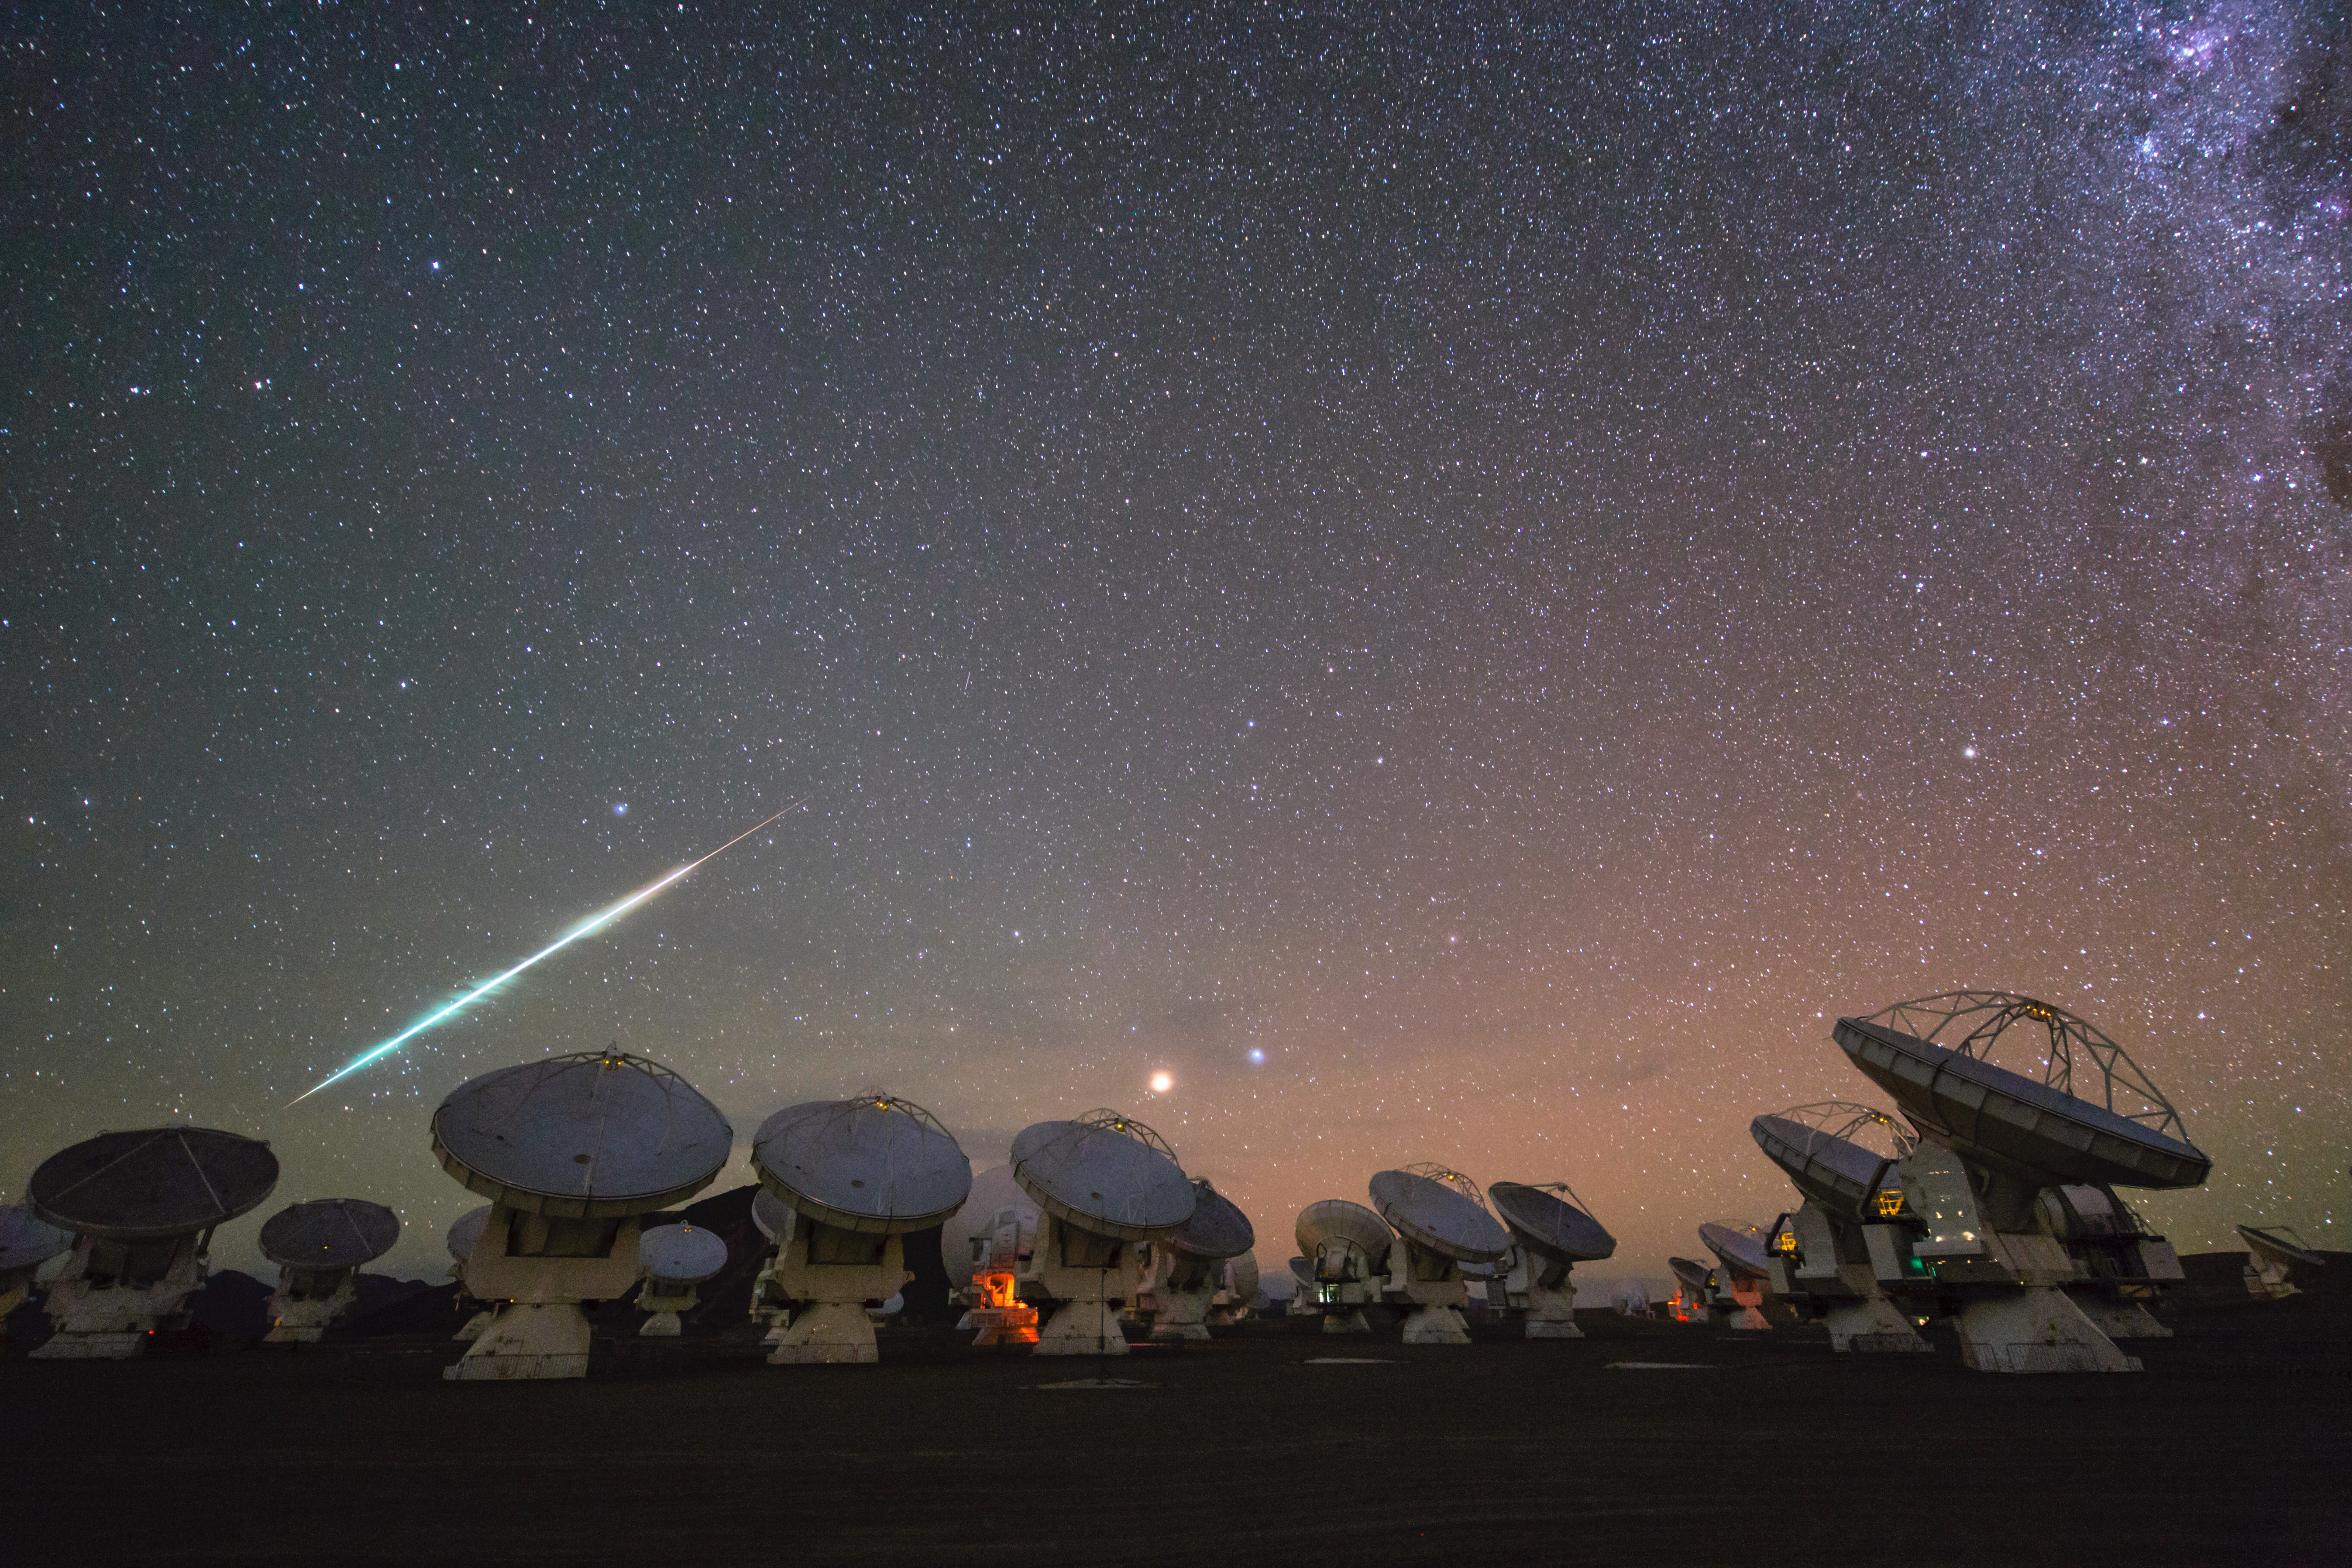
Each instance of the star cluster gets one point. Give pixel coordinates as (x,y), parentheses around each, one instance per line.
(1457,586)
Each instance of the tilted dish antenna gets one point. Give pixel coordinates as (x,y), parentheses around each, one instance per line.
(1184,1271)
(1554,1232)
(1837,1152)
(142,1208)
(319,1247)
(1345,1247)
(2273,1252)
(1843,1157)
(570,1149)
(27,1241)
(1441,1216)
(676,1259)
(858,1174)
(1103,1182)
(983,1246)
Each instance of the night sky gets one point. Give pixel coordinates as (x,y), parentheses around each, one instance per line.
(1461,586)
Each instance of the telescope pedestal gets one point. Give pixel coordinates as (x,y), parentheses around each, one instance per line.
(2268,1276)
(828,1275)
(2037,1329)
(1176,1292)
(1077,1270)
(2121,1319)
(307,1302)
(661,1307)
(471,1329)
(1551,1312)
(113,1294)
(1871,1325)
(1431,1285)
(534,1272)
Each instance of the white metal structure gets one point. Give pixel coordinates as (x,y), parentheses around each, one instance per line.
(1103,1184)
(570,1151)
(142,1208)
(1741,1270)
(675,1258)
(1441,1222)
(1997,1143)
(319,1247)
(462,1235)
(1179,1276)
(1822,1254)
(1345,1247)
(2271,1251)
(1238,1298)
(857,1175)
(772,1217)
(1553,1232)
(27,1241)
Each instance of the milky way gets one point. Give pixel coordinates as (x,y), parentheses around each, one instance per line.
(1461,587)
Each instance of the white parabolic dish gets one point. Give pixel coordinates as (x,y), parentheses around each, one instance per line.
(26,1240)
(1690,1273)
(771,1213)
(330,1232)
(1741,1251)
(2268,1243)
(164,1181)
(1105,1174)
(1218,1228)
(685,1253)
(1336,1219)
(1550,1224)
(876,1164)
(593,1135)
(1440,1216)
(465,1231)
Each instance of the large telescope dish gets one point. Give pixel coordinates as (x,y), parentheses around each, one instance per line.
(1217,1230)
(2269,1242)
(591,1135)
(466,1230)
(1819,1148)
(1348,1224)
(160,1182)
(1105,1174)
(2042,1133)
(26,1240)
(1740,1250)
(328,1232)
(1547,1222)
(875,1165)
(685,1254)
(1690,1274)
(1441,1210)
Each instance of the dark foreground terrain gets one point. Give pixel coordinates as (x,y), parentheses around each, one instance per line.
(2231,1447)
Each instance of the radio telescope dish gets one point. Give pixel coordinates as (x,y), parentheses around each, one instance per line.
(465,1231)
(164,1181)
(687,1254)
(1243,1281)
(1217,1230)
(1441,1210)
(770,1215)
(1821,1147)
(2273,1252)
(26,1240)
(1343,1241)
(591,1135)
(1547,1222)
(873,1165)
(1739,1249)
(1691,1275)
(2042,1133)
(1105,1174)
(331,1233)
(1302,1271)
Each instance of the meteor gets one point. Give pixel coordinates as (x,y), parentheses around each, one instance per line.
(595,922)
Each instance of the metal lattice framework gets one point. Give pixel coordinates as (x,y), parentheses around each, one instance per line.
(1110,1120)
(1452,1178)
(880,1100)
(1856,1123)
(1978,1021)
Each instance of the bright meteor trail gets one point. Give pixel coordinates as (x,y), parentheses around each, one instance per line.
(595,922)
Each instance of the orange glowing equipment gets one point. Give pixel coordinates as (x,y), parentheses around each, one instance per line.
(997,1314)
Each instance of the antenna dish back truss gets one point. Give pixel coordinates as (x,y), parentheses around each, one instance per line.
(1971,1023)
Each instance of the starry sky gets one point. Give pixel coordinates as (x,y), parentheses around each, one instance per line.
(1460,584)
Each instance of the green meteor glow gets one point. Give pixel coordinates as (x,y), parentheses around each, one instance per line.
(595,922)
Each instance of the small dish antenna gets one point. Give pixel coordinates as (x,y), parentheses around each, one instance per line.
(319,1247)
(1838,1254)
(1742,1270)
(1180,1275)
(773,1218)
(460,1238)
(142,1208)
(858,1174)
(1441,1218)
(570,1151)
(987,1244)
(27,1241)
(1102,1183)
(2271,1251)
(2069,1111)
(1694,1291)
(676,1259)
(1346,1248)
(1553,1232)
